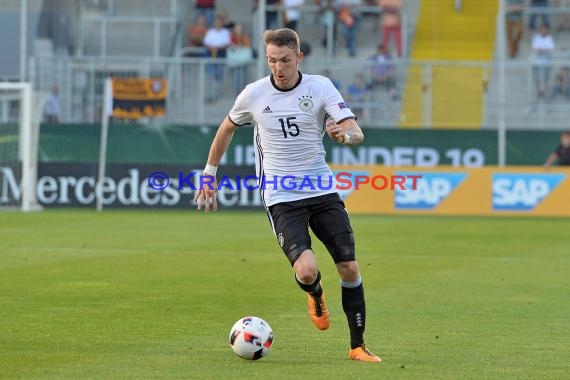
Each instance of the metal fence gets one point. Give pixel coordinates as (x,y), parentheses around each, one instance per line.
(125,36)
(421,94)
(159,8)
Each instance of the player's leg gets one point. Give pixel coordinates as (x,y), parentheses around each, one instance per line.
(289,221)
(307,272)
(353,302)
(308,278)
(330,223)
(354,306)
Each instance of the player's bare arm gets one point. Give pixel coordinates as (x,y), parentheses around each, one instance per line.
(222,140)
(347,132)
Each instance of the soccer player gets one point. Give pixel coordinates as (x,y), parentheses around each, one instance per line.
(290,111)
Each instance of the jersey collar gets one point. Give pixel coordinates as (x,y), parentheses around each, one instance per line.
(292,88)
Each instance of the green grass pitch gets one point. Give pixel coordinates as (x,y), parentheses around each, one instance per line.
(152,294)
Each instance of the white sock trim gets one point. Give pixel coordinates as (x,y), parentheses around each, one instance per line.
(298,279)
(351,284)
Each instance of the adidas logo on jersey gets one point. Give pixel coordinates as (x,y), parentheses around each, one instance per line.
(267,110)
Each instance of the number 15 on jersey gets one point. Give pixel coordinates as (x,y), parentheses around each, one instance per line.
(288,127)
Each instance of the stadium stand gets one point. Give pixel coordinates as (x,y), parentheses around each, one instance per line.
(522,108)
(446,35)
(446,78)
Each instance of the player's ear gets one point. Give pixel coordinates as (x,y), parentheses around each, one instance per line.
(300,57)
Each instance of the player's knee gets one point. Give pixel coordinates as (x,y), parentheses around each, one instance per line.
(307,275)
(348,270)
(306,267)
(307,272)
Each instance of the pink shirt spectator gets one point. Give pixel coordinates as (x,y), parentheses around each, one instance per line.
(392,23)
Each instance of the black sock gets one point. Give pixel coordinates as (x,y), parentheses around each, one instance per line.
(313,289)
(355,310)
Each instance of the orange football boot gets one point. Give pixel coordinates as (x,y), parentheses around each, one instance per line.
(363,354)
(318,311)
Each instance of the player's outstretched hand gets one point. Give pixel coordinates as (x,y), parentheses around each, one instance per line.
(335,131)
(206,195)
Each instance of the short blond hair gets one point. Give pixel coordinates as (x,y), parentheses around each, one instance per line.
(282,37)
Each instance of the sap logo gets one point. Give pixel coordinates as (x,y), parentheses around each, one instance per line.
(522,192)
(430,191)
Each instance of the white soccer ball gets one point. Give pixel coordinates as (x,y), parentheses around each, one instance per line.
(251,338)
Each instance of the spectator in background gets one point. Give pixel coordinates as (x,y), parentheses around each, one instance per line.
(357,95)
(217,39)
(327,74)
(240,40)
(57,22)
(52,107)
(227,21)
(392,23)
(292,13)
(563,18)
(383,72)
(562,83)
(196,32)
(514,20)
(534,16)
(271,16)
(562,152)
(543,46)
(206,8)
(327,13)
(239,37)
(349,17)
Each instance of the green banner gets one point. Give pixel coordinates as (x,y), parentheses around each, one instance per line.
(190,145)
(530,147)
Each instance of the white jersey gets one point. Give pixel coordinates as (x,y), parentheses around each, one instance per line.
(288,135)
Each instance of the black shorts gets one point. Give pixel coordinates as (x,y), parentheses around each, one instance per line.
(328,219)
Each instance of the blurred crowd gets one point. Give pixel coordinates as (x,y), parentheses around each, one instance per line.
(541,24)
(213,34)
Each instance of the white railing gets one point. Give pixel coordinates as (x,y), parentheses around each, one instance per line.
(132,8)
(125,36)
(196,98)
